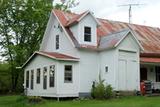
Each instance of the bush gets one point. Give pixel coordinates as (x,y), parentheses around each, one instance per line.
(34,99)
(109,91)
(100,91)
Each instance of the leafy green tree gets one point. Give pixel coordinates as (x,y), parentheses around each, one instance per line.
(65,5)
(22,25)
(4,78)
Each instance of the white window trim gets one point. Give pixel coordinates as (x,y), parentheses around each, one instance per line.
(90,35)
(71,72)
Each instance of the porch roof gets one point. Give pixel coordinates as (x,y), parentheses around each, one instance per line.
(53,55)
(149,60)
(57,56)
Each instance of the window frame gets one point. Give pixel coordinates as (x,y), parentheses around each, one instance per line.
(38,78)
(57,42)
(157,73)
(67,81)
(52,76)
(87,35)
(27,79)
(32,80)
(45,78)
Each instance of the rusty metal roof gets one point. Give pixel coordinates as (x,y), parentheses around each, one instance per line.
(52,55)
(149,37)
(149,60)
(56,55)
(111,40)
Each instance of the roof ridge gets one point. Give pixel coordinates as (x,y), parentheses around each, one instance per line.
(108,27)
(105,19)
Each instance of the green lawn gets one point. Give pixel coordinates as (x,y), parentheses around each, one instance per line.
(18,101)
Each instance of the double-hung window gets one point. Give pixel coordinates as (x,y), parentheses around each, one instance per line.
(87,34)
(45,78)
(27,79)
(38,75)
(52,75)
(32,79)
(68,74)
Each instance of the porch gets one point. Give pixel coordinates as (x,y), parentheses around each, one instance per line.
(150,71)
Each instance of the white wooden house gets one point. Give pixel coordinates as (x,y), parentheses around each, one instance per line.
(77,48)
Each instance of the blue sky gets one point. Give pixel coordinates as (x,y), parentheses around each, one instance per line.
(146,14)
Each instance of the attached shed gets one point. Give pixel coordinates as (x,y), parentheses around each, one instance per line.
(128,63)
(128,72)
(120,57)
(51,74)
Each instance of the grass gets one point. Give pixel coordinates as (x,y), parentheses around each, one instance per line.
(19,101)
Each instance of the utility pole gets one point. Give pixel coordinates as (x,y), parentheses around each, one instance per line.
(130,10)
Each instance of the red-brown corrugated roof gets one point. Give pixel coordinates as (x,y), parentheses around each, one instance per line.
(151,55)
(75,19)
(149,37)
(53,55)
(57,55)
(149,60)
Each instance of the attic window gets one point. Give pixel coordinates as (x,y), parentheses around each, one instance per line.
(87,34)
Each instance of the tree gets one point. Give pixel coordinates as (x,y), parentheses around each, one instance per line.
(4,78)
(65,5)
(22,25)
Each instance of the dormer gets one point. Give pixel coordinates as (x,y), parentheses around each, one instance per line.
(84,28)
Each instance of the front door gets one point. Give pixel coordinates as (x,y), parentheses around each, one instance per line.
(143,74)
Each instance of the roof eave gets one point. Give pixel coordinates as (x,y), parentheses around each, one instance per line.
(77,21)
(58,59)
(63,59)
(63,27)
(71,24)
(108,48)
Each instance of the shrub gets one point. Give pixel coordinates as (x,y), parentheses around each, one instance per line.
(109,91)
(34,99)
(100,91)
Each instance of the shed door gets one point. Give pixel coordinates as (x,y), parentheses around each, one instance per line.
(128,71)
(122,74)
(132,75)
